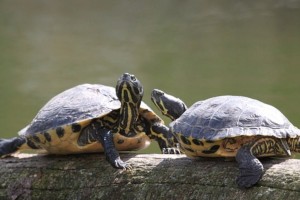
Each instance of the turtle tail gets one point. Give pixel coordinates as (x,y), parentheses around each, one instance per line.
(10,146)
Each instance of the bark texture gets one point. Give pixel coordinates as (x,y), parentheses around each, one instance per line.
(153,176)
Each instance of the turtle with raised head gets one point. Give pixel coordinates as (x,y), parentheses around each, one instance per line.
(92,118)
(232,127)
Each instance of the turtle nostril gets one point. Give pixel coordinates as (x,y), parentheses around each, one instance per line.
(126,76)
(159,92)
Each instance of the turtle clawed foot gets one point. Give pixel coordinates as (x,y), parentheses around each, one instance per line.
(119,164)
(247,181)
(250,176)
(171,151)
(251,169)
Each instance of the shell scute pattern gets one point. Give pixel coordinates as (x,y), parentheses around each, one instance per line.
(98,101)
(230,116)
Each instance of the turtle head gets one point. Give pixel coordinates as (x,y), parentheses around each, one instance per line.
(130,92)
(129,89)
(169,105)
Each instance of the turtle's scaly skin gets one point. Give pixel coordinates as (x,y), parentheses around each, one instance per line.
(230,126)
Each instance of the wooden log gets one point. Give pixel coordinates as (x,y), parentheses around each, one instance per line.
(153,176)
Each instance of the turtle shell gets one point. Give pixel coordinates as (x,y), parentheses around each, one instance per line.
(232,116)
(57,126)
(83,102)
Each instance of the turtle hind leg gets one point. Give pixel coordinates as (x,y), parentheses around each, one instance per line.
(10,146)
(251,169)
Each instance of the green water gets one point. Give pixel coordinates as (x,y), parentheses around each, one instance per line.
(192,49)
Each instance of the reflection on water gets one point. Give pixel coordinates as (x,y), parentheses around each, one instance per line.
(192,49)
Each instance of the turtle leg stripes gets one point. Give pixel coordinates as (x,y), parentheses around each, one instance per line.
(10,146)
(165,139)
(105,137)
(251,169)
(95,132)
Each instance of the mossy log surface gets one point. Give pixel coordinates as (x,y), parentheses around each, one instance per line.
(153,176)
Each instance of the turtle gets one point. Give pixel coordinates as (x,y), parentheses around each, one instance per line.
(92,118)
(231,127)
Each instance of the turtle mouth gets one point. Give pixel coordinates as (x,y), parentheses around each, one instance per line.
(156,96)
(130,134)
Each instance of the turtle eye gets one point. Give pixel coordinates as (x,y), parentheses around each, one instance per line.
(138,89)
(157,92)
(133,78)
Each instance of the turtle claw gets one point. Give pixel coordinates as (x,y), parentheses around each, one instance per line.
(119,164)
(171,151)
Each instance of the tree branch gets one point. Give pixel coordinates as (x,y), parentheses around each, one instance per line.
(154,176)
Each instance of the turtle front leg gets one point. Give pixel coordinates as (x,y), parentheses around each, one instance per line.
(251,169)
(95,132)
(165,139)
(105,137)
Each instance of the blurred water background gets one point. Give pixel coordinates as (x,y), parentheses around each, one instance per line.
(191,49)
